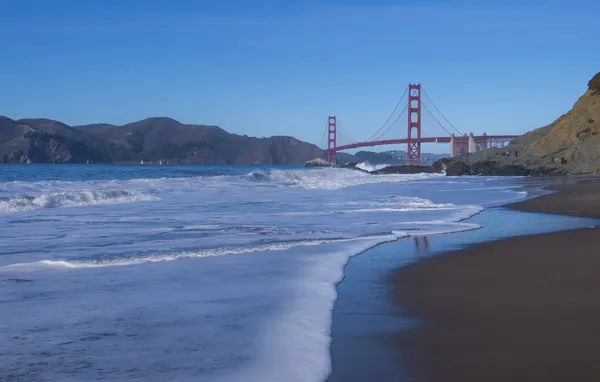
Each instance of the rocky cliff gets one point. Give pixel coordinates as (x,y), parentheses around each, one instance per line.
(569,145)
(149,140)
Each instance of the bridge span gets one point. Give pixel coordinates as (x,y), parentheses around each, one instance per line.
(459,143)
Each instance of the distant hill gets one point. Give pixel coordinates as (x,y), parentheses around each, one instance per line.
(569,145)
(345,158)
(396,157)
(150,140)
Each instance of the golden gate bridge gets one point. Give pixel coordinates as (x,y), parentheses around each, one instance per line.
(459,143)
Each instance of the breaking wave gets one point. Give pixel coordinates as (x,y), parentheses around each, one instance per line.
(155,258)
(329,178)
(72,199)
(367,166)
(58,193)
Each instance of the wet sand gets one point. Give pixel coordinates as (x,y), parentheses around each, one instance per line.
(519,309)
(581,199)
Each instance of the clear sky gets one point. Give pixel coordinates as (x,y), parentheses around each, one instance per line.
(267,67)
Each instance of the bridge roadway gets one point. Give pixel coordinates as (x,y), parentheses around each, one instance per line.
(420,140)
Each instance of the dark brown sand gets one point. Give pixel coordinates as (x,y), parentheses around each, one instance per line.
(580,199)
(521,309)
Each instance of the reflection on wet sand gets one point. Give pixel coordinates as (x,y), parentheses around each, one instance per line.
(421,245)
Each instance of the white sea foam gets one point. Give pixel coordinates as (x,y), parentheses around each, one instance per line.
(331,178)
(202,227)
(155,258)
(228,278)
(320,178)
(295,343)
(72,199)
(392,204)
(367,166)
(433,228)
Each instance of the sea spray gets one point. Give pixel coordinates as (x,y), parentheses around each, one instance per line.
(72,199)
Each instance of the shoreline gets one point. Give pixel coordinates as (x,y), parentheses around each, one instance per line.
(387,328)
(523,308)
(579,196)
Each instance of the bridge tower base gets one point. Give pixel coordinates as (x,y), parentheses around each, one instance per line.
(472,144)
(414,123)
(331,139)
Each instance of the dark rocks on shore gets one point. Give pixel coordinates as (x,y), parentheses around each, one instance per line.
(462,166)
(406,169)
(317,162)
(400,169)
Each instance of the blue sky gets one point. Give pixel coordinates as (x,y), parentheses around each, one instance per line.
(281,67)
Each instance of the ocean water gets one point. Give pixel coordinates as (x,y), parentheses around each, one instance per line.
(192,273)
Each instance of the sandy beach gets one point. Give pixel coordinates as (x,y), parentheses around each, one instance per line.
(519,309)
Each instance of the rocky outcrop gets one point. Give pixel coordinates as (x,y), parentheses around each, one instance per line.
(569,145)
(407,170)
(462,166)
(317,162)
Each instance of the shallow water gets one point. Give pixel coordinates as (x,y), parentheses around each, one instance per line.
(365,317)
(197,273)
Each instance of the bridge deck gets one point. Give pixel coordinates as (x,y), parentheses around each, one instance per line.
(420,140)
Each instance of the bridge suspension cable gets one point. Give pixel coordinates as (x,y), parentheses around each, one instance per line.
(439,112)
(435,119)
(393,123)
(388,119)
(322,142)
(344,134)
(377,135)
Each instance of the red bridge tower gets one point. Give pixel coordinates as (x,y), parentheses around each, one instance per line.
(331,139)
(414,122)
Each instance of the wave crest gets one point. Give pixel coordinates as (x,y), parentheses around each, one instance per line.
(155,258)
(63,199)
(328,178)
(367,166)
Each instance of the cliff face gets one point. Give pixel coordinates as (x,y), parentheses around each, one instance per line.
(150,140)
(575,136)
